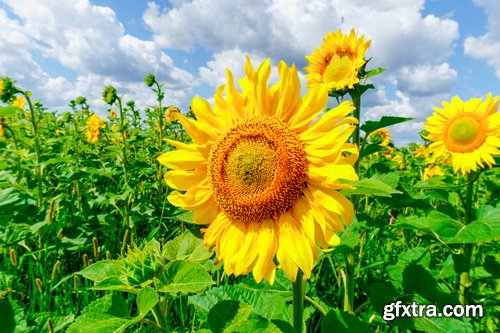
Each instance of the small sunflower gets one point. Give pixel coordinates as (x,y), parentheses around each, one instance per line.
(20,102)
(263,172)
(94,125)
(420,151)
(112,114)
(171,113)
(468,132)
(381,137)
(432,171)
(337,61)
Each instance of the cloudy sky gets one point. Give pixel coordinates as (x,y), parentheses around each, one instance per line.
(435,49)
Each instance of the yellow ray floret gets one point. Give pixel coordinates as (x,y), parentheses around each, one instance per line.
(263,172)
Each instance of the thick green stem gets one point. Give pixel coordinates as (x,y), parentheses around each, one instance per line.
(125,154)
(468,248)
(349,257)
(19,169)
(38,167)
(160,114)
(298,302)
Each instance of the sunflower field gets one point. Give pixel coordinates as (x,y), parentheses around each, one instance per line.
(268,210)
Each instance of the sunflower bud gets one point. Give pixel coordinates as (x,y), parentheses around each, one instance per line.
(7,90)
(109,95)
(150,79)
(80,100)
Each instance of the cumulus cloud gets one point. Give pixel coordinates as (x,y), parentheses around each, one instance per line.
(90,41)
(487,47)
(425,80)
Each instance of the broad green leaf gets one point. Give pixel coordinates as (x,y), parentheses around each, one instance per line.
(370,187)
(371,149)
(186,247)
(12,318)
(9,110)
(146,300)
(234,316)
(104,315)
(181,276)
(340,321)
(417,255)
(103,270)
(267,301)
(370,125)
(15,205)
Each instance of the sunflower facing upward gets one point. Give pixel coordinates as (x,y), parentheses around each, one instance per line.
(337,61)
(468,132)
(263,174)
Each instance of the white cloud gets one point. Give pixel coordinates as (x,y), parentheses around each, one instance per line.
(425,80)
(487,47)
(90,41)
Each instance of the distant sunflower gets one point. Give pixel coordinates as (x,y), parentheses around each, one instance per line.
(263,172)
(381,137)
(94,125)
(20,102)
(432,171)
(337,61)
(468,132)
(171,113)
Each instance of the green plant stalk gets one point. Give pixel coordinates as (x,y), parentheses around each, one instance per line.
(468,248)
(160,113)
(19,169)
(38,168)
(349,257)
(298,302)
(125,155)
(158,313)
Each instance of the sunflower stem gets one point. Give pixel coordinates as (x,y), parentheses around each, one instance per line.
(468,248)
(38,167)
(349,257)
(298,302)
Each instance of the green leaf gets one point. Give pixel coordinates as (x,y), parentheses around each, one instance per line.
(417,255)
(15,206)
(12,317)
(186,247)
(370,187)
(9,110)
(104,315)
(485,229)
(181,276)
(103,270)
(234,316)
(146,300)
(370,125)
(371,149)
(340,321)
(374,72)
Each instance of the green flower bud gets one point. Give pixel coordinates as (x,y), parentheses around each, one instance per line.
(131,104)
(109,95)
(150,79)
(81,100)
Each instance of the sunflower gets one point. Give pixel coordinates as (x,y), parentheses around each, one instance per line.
(112,114)
(94,125)
(432,171)
(381,137)
(420,151)
(467,132)
(263,172)
(171,113)
(337,61)
(19,102)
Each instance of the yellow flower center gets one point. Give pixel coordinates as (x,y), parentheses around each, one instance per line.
(257,170)
(338,68)
(465,132)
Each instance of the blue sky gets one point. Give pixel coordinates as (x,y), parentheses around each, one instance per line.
(435,49)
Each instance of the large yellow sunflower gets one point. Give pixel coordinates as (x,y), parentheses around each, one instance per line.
(263,172)
(337,61)
(468,132)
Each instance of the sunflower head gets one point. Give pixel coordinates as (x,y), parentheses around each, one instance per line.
(149,79)
(171,113)
(112,114)
(109,95)
(467,132)
(263,172)
(19,102)
(94,125)
(432,171)
(336,63)
(380,137)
